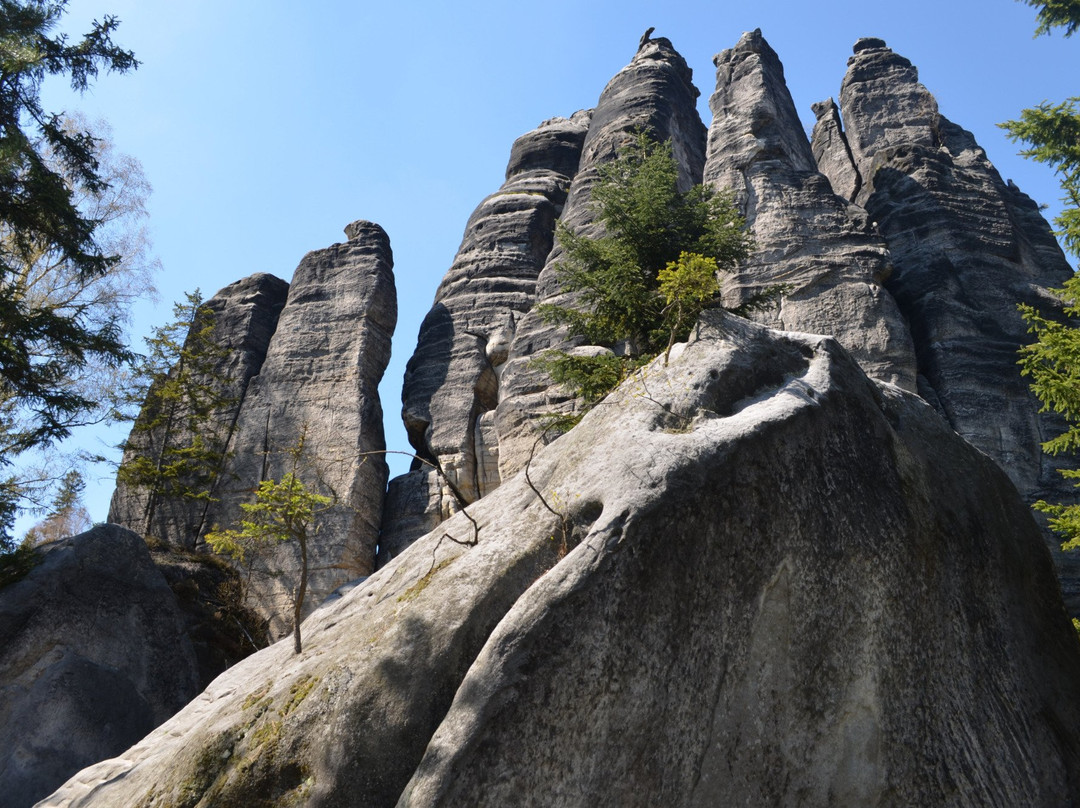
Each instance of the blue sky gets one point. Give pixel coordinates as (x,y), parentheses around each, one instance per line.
(267,126)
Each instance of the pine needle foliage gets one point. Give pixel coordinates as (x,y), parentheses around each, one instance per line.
(284,510)
(1057,14)
(177,447)
(641,284)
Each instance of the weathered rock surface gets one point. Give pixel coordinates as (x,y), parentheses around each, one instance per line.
(245,318)
(782,585)
(831,150)
(93,655)
(319,382)
(654,93)
(967,248)
(452,378)
(819,246)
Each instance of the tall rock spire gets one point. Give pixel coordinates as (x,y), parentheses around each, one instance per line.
(654,93)
(452,380)
(821,248)
(319,382)
(966,246)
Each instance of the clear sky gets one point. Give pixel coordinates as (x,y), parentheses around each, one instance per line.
(266,126)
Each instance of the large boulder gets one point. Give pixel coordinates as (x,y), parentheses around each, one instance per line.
(93,655)
(820,248)
(752,576)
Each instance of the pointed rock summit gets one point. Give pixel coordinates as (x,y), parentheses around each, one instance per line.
(319,383)
(818,247)
(654,93)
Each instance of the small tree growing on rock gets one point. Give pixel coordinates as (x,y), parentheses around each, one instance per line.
(644,282)
(284,510)
(177,447)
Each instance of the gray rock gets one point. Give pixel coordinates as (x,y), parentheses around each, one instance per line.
(967,248)
(832,152)
(452,378)
(816,244)
(654,93)
(245,318)
(93,655)
(758,578)
(320,381)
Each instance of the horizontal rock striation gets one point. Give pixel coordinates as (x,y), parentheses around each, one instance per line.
(756,578)
(452,379)
(818,246)
(319,384)
(94,654)
(654,93)
(245,317)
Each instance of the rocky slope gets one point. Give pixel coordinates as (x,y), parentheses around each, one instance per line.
(643,623)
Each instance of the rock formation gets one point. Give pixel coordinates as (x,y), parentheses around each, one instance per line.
(758,579)
(654,93)
(319,383)
(967,248)
(818,246)
(452,380)
(245,317)
(94,654)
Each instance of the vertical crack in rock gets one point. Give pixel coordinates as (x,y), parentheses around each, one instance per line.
(967,247)
(320,381)
(452,380)
(245,318)
(816,244)
(832,152)
(654,93)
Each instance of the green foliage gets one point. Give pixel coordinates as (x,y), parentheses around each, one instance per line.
(1057,13)
(283,511)
(590,377)
(1052,362)
(41,346)
(67,515)
(1053,132)
(686,285)
(644,282)
(176,447)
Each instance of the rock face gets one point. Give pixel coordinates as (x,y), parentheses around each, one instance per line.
(93,655)
(245,318)
(655,630)
(654,93)
(821,248)
(452,380)
(319,383)
(967,247)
